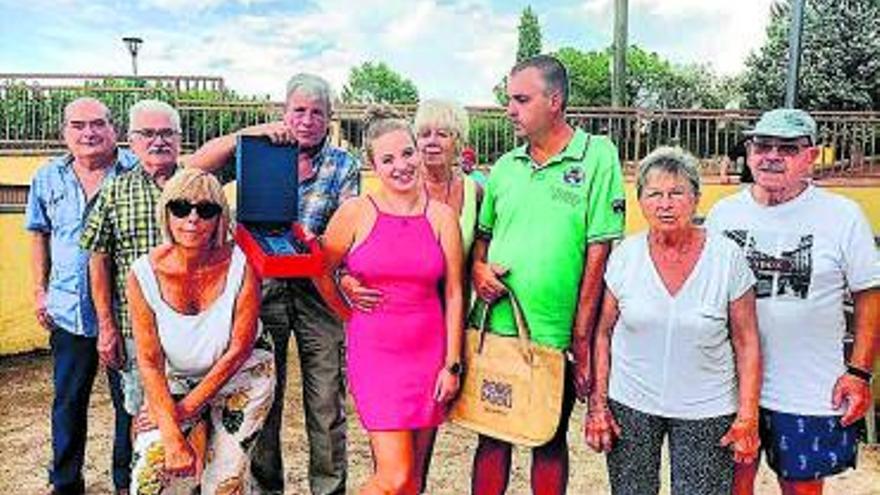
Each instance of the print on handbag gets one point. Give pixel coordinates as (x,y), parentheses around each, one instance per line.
(497,393)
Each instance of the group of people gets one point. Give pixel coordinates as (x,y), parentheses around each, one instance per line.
(722,340)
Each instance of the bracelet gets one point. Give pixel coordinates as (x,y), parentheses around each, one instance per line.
(859,373)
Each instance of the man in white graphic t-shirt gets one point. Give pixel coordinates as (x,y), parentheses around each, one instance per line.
(807,248)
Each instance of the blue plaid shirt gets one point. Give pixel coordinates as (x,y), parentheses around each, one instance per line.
(58,206)
(337,178)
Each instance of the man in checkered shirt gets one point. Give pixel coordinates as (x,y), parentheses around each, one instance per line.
(122,227)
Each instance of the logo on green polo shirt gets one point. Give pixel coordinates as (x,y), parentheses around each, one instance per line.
(574,176)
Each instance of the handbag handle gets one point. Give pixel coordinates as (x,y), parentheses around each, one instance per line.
(522,327)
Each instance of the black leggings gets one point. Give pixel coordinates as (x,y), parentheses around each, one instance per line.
(699,465)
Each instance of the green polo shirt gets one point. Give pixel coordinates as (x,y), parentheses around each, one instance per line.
(541,220)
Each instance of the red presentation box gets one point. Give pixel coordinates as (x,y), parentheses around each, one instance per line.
(266,211)
(275,265)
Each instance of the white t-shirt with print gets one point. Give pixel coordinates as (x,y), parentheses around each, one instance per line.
(805,253)
(672,356)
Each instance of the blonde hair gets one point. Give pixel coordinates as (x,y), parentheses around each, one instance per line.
(443,114)
(193,185)
(381,120)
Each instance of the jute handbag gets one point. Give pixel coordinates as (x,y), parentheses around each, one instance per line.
(512,387)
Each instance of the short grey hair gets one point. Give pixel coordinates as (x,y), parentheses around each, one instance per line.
(153,106)
(443,114)
(674,161)
(87,99)
(312,85)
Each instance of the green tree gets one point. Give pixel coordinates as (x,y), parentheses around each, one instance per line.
(652,81)
(529,42)
(377,83)
(528,45)
(840,69)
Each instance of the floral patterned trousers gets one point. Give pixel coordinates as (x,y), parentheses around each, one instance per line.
(234,418)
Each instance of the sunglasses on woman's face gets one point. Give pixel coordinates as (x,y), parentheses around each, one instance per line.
(206,210)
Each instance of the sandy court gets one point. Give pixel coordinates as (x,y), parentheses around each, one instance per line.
(25,446)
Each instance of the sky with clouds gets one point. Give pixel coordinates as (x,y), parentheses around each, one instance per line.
(450,48)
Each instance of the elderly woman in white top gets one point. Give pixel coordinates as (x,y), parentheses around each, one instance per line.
(677,335)
(208,373)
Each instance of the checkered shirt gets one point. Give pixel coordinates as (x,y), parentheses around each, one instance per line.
(123,224)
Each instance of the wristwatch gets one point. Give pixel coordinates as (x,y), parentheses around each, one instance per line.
(859,373)
(455,368)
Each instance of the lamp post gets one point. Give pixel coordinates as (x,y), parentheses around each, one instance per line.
(792,83)
(133,44)
(618,72)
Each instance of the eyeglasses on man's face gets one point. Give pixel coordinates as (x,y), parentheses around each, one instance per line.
(785,149)
(149,134)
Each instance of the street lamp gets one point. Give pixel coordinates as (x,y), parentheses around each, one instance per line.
(133,44)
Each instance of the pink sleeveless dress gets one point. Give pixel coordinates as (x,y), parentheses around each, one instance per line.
(395,352)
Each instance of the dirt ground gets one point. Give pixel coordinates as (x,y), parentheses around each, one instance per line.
(25,447)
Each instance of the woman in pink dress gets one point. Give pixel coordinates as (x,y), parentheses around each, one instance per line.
(403,357)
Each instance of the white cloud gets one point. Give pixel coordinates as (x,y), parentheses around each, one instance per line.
(718,32)
(454,49)
(194,6)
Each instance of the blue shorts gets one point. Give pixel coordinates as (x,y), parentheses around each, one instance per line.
(801,448)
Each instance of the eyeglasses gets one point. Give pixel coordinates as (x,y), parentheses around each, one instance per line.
(150,134)
(787,150)
(206,210)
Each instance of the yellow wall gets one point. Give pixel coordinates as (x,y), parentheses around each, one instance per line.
(19,331)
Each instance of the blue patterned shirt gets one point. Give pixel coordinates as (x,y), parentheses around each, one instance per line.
(57,205)
(337,178)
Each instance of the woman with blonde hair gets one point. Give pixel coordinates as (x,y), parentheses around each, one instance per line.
(441,132)
(403,356)
(208,373)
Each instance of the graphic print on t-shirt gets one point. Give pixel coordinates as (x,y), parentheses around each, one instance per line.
(782,263)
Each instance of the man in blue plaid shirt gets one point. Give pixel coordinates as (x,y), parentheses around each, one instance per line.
(327,176)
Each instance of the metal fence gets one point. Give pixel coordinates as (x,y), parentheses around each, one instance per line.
(30,118)
(178,83)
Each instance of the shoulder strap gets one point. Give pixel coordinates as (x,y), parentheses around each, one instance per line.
(235,275)
(143,271)
(469,204)
(373,202)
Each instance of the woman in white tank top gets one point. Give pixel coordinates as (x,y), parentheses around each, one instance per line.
(208,374)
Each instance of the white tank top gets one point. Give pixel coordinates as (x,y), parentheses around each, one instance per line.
(192,343)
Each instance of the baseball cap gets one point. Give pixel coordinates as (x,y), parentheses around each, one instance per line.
(786,123)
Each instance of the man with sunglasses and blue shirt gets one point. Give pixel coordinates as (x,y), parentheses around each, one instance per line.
(122,227)
(62,193)
(807,247)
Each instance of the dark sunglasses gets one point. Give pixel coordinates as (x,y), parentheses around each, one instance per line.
(206,210)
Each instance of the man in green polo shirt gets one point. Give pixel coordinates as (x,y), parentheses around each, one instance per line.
(550,211)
